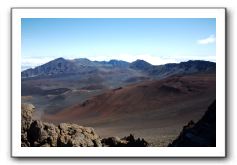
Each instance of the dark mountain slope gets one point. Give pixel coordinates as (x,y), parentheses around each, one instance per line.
(183,68)
(81,66)
(57,66)
(61,66)
(200,134)
(141,65)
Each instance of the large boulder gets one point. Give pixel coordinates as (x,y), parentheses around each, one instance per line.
(73,135)
(26,115)
(26,120)
(35,133)
(43,134)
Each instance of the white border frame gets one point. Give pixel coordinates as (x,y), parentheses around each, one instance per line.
(218,151)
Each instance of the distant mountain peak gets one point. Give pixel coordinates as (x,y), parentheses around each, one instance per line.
(118,63)
(139,61)
(81,59)
(140,65)
(114,60)
(56,66)
(59,59)
(197,61)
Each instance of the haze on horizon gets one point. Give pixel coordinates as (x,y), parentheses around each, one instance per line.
(155,40)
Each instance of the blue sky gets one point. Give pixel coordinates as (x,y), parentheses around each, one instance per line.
(156,40)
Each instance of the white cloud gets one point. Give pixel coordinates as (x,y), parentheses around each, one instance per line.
(27,63)
(155,60)
(208,40)
(152,59)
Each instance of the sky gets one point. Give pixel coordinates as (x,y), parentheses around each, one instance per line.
(155,40)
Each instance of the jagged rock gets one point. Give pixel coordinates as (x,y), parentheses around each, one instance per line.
(111,141)
(77,136)
(26,119)
(201,134)
(128,141)
(35,133)
(41,133)
(26,115)
(132,142)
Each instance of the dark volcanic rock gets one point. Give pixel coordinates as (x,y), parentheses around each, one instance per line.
(128,141)
(201,134)
(111,141)
(43,134)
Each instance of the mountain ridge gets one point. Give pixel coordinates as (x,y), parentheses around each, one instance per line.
(77,66)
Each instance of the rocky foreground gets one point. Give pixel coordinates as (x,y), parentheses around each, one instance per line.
(35,133)
(200,134)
